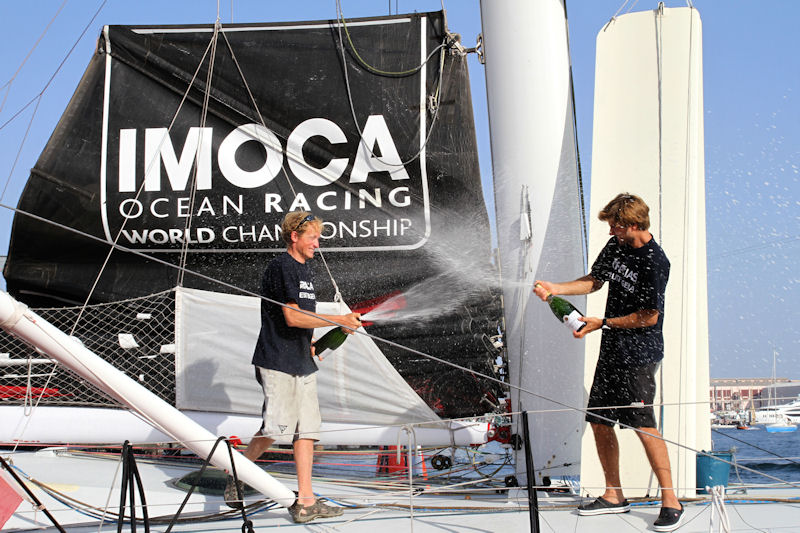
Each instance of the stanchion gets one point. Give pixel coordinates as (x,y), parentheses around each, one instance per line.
(31,495)
(533,498)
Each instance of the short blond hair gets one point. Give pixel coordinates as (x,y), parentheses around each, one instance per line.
(298,221)
(626,210)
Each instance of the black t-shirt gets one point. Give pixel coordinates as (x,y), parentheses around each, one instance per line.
(637,280)
(281,347)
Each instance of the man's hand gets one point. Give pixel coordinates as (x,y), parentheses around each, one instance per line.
(543,289)
(592,324)
(350,322)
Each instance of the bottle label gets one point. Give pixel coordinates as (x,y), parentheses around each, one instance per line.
(572,322)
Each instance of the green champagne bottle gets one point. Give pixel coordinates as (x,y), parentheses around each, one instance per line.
(330,341)
(565,312)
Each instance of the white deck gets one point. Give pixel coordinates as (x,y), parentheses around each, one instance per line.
(87,480)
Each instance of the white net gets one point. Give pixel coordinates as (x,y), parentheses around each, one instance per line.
(137,336)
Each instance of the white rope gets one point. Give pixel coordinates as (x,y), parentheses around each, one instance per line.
(718,508)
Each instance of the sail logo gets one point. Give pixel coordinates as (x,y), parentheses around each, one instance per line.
(197,150)
(165,194)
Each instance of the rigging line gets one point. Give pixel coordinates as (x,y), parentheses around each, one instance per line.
(614,16)
(58,69)
(21,146)
(7,85)
(658,23)
(38,97)
(203,118)
(244,81)
(150,164)
(747,249)
(376,338)
(435,99)
(632,6)
(283,168)
(261,120)
(685,372)
(375,70)
(581,199)
(116,239)
(759,448)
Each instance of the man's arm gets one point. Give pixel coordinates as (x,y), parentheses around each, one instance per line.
(638,319)
(588,284)
(584,285)
(304,319)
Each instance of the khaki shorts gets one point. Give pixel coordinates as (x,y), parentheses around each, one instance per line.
(291,406)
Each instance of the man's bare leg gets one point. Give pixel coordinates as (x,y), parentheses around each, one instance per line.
(304,461)
(258,445)
(234,492)
(657,454)
(605,440)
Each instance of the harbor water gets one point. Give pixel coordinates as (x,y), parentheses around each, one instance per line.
(775,454)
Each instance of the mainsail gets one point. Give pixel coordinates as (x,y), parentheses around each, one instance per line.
(186,145)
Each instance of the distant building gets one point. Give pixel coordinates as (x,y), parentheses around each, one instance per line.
(736,394)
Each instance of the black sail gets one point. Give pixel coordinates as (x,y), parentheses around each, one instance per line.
(188,153)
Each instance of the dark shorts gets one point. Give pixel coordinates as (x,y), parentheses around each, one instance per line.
(623,395)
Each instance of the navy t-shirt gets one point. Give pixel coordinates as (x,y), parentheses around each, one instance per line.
(281,347)
(637,280)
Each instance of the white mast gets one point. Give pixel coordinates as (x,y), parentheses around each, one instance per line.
(534,162)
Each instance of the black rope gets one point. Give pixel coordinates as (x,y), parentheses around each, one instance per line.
(130,475)
(247,524)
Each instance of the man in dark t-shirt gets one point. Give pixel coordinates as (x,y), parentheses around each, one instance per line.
(631,349)
(284,364)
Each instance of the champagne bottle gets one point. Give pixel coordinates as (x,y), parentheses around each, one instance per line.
(565,311)
(330,341)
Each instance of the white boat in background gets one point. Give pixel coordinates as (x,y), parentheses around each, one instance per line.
(775,413)
(782,425)
(454,473)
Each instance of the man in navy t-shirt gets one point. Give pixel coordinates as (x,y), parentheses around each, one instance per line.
(284,364)
(631,349)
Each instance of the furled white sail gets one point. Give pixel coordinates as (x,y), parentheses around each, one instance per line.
(216,334)
(537,197)
(648,140)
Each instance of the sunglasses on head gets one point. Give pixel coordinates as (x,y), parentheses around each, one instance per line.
(307,218)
